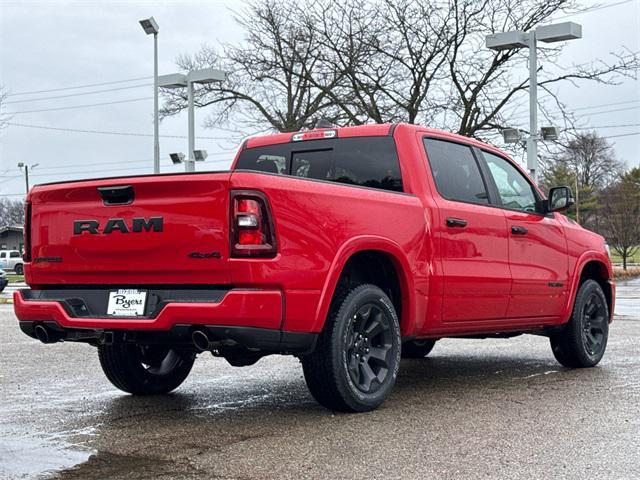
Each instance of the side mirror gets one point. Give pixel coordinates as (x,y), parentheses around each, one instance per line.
(560,199)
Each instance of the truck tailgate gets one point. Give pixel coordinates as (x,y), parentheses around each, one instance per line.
(173,229)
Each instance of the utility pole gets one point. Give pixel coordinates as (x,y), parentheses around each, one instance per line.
(150,27)
(22,165)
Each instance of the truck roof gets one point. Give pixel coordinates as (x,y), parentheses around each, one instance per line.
(369,130)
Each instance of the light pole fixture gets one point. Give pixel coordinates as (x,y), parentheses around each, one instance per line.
(200,155)
(558,32)
(180,80)
(150,26)
(549,133)
(512,135)
(177,158)
(26,167)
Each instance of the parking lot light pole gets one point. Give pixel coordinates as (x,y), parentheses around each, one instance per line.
(150,26)
(26,167)
(558,32)
(179,80)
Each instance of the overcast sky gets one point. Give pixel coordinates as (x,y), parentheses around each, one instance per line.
(54,45)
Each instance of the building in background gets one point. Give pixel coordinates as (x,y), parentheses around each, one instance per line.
(12,238)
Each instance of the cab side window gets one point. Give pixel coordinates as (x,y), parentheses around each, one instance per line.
(455,171)
(515,191)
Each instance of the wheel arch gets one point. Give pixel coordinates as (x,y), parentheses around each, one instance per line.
(362,255)
(594,266)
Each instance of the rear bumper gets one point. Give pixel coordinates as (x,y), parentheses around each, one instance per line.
(250,318)
(237,307)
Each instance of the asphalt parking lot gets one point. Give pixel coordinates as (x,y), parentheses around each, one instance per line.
(473,409)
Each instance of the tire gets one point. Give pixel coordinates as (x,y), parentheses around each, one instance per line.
(583,341)
(18,269)
(145,370)
(355,363)
(417,348)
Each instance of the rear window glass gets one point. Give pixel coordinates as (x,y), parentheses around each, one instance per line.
(362,161)
(455,171)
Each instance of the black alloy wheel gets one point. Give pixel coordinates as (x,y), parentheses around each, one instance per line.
(369,347)
(595,324)
(355,362)
(583,340)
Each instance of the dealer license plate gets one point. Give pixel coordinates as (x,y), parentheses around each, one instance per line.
(126,303)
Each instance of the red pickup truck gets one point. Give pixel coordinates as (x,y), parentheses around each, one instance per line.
(348,248)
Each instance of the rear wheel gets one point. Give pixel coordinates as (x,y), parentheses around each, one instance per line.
(417,348)
(18,269)
(355,363)
(582,342)
(145,370)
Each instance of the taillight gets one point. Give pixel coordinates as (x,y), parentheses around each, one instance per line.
(26,255)
(252,232)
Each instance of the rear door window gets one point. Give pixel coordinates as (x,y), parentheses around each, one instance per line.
(456,171)
(362,161)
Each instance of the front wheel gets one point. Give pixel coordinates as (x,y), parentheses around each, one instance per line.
(355,363)
(145,369)
(18,269)
(582,342)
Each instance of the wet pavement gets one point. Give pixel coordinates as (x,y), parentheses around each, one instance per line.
(628,298)
(473,409)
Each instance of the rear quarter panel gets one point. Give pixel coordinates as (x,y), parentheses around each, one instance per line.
(319,225)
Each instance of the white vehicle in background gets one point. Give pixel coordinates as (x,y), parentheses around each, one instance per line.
(11,260)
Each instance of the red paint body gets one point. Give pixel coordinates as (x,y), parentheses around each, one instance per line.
(479,280)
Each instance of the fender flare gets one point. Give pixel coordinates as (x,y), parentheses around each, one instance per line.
(585,258)
(359,244)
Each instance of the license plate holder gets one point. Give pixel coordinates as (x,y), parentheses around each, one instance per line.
(127,302)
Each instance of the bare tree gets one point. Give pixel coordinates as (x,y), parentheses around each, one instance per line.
(266,86)
(593,159)
(621,215)
(588,164)
(388,61)
(390,55)
(4,117)
(11,212)
(489,88)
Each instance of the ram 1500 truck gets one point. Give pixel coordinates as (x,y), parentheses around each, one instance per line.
(348,248)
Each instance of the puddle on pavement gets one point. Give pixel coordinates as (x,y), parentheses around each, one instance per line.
(30,457)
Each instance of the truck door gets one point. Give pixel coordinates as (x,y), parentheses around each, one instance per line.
(474,241)
(537,246)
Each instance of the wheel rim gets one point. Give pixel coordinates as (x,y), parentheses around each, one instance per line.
(594,324)
(369,348)
(158,360)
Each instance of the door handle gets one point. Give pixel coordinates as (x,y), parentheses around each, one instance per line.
(518,230)
(456,222)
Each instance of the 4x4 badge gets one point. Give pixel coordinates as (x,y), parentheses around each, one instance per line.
(205,255)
